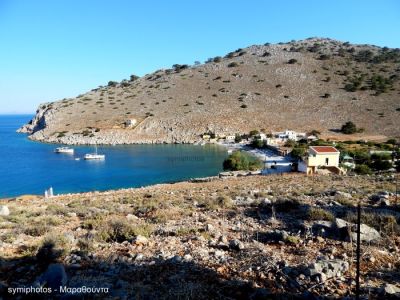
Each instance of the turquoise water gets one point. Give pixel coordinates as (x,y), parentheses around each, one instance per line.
(28,167)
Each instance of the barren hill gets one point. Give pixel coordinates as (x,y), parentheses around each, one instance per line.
(302,85)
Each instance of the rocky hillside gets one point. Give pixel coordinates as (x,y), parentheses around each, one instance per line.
(274,237)
(303,85)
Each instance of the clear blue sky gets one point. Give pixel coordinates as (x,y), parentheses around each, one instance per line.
(54,49)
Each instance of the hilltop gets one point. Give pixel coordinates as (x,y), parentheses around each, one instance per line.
(313,84)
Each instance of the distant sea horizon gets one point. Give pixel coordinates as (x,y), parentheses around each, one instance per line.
(28,167)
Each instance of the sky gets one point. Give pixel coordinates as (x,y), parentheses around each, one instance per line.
(50,50)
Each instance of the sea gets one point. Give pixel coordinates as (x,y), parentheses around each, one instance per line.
(28,167)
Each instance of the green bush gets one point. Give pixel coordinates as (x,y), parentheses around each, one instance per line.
(317,213)
(254,132)
(349,128)
(241,161)
(292,61)
(233,64)
(298,152)
(362,170)
(217,59)
(324,57)
(116,230)
(134,77)
(257,143)
(238,138)
(381,165)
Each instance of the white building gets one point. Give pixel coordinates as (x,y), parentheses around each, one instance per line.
(320,157)
(290,135)
(230,138)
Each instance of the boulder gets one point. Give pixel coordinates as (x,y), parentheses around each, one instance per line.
(340,223)
(390,289)
(367,234)
(343,194)
(4,211)
(140,240)
(236,245)
(384,202)
(323,228)
(274,236)
(131,217)
(54,277)
(328,267)
(209,227)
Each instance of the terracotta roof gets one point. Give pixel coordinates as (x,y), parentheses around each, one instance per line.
(325,149)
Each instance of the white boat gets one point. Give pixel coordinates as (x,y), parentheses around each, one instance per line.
(64,150)
(94,156)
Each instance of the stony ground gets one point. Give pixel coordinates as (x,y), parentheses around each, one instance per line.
(251,88)
(270,237)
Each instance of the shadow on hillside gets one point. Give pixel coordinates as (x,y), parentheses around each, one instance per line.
(160,279)
(336,130)
(170,279)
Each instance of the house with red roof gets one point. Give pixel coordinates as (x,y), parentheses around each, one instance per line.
(321,158)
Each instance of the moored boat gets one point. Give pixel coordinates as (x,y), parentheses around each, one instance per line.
(94,156)
(64,150)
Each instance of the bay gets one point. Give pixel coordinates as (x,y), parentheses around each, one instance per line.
(28,167)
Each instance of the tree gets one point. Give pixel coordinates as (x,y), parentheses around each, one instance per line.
(238,138)
(349,128)
(362,170)
(112,83)
(290,143)
(381,162)
(134,77)
(298,152)
(241,161)
(257,143)
(254,132)
(217,59)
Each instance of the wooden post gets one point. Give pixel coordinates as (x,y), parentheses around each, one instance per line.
(358,251)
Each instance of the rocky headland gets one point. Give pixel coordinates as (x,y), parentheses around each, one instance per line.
(313,84)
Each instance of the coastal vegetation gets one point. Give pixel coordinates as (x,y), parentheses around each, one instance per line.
(240,160)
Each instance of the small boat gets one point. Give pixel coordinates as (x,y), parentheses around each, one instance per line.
(64,150)
(94,156)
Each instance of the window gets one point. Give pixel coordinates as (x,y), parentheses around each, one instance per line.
(327,161)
